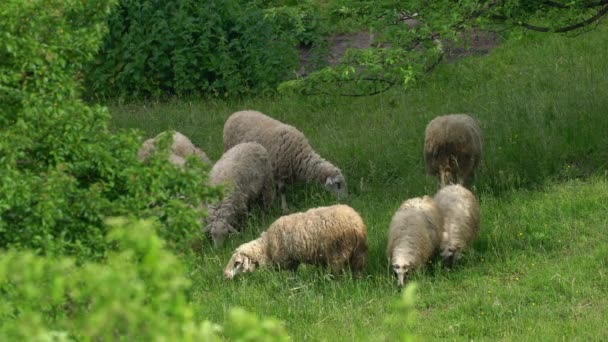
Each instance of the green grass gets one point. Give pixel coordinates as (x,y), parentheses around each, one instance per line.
(538,269)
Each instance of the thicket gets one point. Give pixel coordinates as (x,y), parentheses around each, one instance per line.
(212,47)
(139,292)
(66,272)
(62,169)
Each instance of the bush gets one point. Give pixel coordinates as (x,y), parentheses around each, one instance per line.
(217,47)
(138,293)
(62,169)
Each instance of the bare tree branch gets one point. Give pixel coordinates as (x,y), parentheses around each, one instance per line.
(588,5)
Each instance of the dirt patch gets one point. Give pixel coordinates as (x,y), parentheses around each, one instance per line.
(338,44)
(470,43)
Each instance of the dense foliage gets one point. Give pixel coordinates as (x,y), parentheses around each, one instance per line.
(138,293)
(62,169)
(217,47)
(62,172)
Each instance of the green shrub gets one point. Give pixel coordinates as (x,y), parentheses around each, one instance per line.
(62,169)
(138,293)
(217,47)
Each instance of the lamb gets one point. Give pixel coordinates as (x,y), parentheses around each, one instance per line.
(292,156)
(414,236)
(333,236)
(460,211)
(181,148)
(246,172)
(452,148)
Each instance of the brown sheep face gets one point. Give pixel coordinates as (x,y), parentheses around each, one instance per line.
(239,263)
(337,185)
(401,271)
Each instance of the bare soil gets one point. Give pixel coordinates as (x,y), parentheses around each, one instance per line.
(470,43)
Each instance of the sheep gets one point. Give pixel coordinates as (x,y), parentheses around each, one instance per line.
(246,172)
(414,236)
(333,236)
(181,148)
(292,156)
(452,148)
(460,211)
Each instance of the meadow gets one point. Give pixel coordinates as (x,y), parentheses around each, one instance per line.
(538,268)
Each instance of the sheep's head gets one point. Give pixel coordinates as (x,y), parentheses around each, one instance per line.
(401,269)
(239,263)
(218,230)
(337,185)
(449,255)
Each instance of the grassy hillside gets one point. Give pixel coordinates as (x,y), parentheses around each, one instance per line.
(537,270)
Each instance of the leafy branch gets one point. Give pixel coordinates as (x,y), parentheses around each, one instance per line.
(409,37)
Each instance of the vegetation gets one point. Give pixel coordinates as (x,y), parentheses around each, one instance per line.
(410,37)
(138,293)
(62,168)
(217,47)
(536,270)
(67,272)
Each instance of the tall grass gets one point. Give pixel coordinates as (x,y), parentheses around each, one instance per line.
(537,270)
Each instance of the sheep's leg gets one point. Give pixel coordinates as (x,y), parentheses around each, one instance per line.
(268,195)
(292,266)
(357,261)
(281,186)
(337,267)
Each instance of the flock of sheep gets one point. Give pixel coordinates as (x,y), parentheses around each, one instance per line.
(262,154)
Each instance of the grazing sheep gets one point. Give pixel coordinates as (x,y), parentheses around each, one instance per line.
(332,236)
(452,148)
(246,172)
(292,156)
(460,211)
(414,235)
(181,148)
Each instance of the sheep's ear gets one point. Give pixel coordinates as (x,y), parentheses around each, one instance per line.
(329,181)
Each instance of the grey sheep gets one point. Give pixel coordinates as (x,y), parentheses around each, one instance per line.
(181,147)
(292,156)
(333,236)
(460,211)
(246,172)
(414,236)
(452,148)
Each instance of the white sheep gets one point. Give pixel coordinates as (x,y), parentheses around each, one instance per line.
(460,211)
(333,236)
(246,173)
(414,236)
(181,147)
(292,156)
(452,148)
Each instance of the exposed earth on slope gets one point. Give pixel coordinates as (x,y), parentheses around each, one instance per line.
(471,43)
